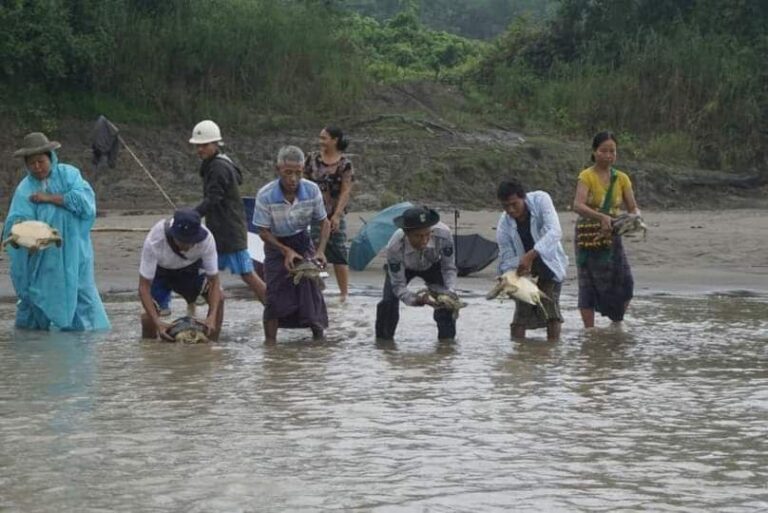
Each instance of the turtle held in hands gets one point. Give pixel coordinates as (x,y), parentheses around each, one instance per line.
(512,285)
(307,270)
(627,224)
(188,330)
(447,300)
(32,235)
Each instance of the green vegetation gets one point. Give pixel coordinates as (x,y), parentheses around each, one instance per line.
(246,61)
(159,60)
(403,49)
(686,77)
(479,19)
(676,79)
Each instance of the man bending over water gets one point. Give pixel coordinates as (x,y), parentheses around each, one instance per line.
(178,255)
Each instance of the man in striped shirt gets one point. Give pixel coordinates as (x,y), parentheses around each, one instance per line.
(283,212)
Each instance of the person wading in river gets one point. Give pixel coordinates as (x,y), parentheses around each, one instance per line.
(222,207)
(606,284)
(55,286)
(529,238)
(178,255)
(422,247)
(283,212)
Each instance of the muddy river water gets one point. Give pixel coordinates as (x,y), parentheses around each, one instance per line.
(667,413)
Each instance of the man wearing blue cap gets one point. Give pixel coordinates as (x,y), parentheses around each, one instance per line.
(422,247)
(178,255)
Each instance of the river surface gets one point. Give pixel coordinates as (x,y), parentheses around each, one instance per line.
(668,413)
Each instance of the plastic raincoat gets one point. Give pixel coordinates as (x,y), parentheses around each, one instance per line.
(55,286)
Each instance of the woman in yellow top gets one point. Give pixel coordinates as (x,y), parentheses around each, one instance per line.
(605,278)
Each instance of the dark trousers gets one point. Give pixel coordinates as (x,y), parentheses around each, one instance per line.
(388,309)
(188,282)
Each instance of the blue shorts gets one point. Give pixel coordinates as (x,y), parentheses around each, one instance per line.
(238,262)
(187,282)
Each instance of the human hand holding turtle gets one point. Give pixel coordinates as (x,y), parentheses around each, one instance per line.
(526,262)
(606,226)
(290,258)
(162,330)
(426,298)
(320,259)
(209,326)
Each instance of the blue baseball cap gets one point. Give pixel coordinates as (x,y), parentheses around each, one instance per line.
(186,226)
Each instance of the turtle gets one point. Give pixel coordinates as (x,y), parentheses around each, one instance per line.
(448,300)
(187,330)
(307,269)
(627,224)
(32,235)
(521,288)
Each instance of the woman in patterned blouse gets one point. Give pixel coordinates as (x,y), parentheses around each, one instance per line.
(332,171)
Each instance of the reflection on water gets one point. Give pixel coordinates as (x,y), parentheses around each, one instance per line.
(668,412)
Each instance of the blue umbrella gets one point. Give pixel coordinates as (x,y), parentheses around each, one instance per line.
(374,235)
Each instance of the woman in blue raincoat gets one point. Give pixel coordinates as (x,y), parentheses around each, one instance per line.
(55,286)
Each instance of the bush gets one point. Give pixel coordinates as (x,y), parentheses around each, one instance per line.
(677,147)
(180,60)
(387,199)
(704,89)
(404,49)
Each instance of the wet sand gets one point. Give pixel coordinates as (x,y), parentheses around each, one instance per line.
(685,251)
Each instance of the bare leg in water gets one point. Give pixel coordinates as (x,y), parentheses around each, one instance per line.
(587,317)
(553,331)
(257,285)
(342,278)
(270,332)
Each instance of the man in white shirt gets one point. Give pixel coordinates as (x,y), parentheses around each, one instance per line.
(178,255)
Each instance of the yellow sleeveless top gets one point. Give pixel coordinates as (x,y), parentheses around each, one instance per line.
(597,190)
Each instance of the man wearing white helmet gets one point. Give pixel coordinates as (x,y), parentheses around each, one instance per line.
(222,206)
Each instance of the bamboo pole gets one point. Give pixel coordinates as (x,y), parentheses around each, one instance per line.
(105,229)
(157,184)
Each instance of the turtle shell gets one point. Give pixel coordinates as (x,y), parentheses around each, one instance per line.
(30,233)
(307,269)
(306,265)
(37,229)
(183,324)
(628,223)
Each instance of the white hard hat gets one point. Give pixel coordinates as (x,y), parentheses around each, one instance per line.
(205,132)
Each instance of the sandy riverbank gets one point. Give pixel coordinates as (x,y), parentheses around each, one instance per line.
(686,251)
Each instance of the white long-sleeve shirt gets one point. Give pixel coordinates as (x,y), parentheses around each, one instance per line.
(545,230)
